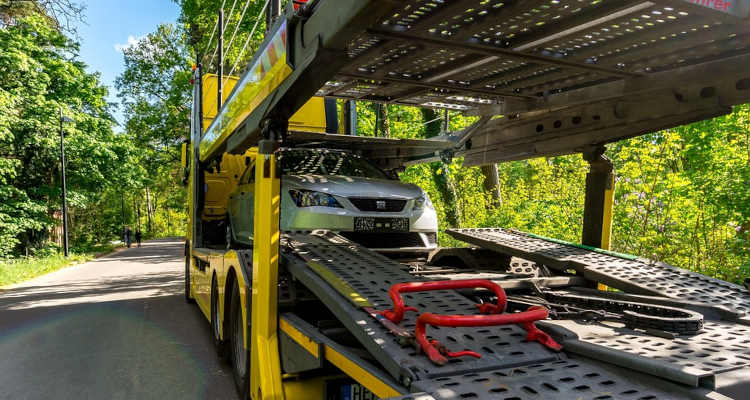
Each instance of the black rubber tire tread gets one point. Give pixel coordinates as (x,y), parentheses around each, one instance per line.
(638,315)
(237,347)
(222,347)
(188,299)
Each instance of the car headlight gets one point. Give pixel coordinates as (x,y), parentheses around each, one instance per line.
(309,198)
(421,202)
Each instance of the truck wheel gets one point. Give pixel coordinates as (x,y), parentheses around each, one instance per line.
(221,345)
(188,298)
(239,356)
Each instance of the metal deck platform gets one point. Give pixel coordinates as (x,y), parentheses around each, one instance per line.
(693,360)
(344,276)
(465,54)
(370,275)
(627,273)
(567,73)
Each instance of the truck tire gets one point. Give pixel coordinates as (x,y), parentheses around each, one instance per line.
(221,345)
(239,356)
(188,298)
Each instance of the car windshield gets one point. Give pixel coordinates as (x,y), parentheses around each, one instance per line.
(322,162)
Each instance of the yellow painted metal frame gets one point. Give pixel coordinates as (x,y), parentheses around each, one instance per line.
(359,374)
(340,361)
(265,365)
(609,201)
(267,72)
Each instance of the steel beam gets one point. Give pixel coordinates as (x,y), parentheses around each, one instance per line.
(426,85)
(500,52)
(317,49)
(598,185)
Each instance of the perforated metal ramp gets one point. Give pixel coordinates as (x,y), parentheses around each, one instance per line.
(579,379)
(464,54)
(691,360)
(510,368)
(371,276)
(630,274)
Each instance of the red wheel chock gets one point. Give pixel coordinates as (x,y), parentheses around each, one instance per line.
(434,350)
(396,315)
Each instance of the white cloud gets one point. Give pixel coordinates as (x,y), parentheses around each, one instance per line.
(132,41)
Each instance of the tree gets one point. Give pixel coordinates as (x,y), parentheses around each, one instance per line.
(41,76)
(61,14)
(440,171)
(199,18)
(155,91)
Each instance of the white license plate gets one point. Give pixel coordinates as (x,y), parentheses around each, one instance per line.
(356,391)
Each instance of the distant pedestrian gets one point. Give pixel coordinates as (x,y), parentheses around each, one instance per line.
(138,237)
(128,236)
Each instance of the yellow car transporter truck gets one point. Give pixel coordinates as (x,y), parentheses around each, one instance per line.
(312,315)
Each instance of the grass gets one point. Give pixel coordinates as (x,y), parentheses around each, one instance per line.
(25,268)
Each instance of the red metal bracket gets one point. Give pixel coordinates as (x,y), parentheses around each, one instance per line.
(396,315)
(437,352)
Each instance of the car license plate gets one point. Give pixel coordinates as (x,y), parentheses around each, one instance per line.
(377,224)
(356,391)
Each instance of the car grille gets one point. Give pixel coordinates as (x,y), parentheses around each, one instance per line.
(386,205)
(392,240)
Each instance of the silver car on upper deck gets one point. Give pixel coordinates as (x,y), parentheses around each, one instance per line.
(342,192)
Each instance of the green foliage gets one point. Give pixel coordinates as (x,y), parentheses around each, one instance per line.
(682,195)
(41,76)
(25,268)
(199,17)
(156,92)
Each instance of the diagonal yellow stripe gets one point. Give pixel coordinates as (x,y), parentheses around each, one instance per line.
(339,284)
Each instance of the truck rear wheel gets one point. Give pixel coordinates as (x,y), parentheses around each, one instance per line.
(221,345)
(239,356)
(188,299)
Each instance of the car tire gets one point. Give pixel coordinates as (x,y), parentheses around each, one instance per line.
(238,355)
(221,345)
(188,298)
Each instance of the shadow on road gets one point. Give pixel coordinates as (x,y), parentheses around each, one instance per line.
(115,328)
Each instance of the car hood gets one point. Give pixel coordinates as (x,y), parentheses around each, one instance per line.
(351,186)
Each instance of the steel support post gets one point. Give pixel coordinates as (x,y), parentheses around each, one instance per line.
(350,118)
(272,12)
(220,66)
(597,212)
(197,171)
(265,365)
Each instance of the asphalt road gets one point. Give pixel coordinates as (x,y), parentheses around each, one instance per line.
(114,328)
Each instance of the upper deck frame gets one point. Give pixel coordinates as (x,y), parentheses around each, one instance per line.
(569,74)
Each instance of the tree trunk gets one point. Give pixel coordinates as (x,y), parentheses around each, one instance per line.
(169,222)
(441,173)
(492,185)
(382,118)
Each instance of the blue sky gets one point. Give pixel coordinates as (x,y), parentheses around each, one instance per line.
(112,24)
